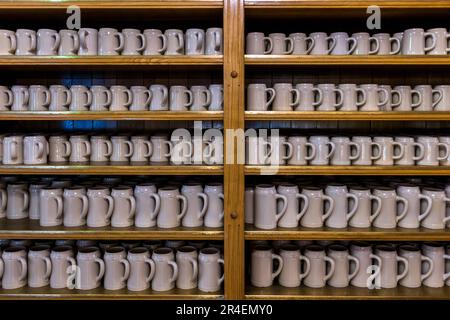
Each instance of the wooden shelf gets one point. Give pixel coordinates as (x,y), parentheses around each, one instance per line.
(349,293)
(345,116)
(112,115)
(338,4)
(398,234)
(329,60)
(47,293)
(111,4)
(349,170)
(30,229)
(111,170)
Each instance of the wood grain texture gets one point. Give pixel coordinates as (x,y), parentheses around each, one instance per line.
(349,170)
(234,173)
(346,116)
(111,115)
(108,170)
(349,293)
(352,4)
(373,234)
(111,4)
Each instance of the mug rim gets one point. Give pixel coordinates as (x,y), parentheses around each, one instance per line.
(315,248)
(385,247)
(289,247)
(187,249)
(13,249)
(90,249)
(115,249)
(210,251)
(163,250)
(138,250)
(337,247)
(40,247)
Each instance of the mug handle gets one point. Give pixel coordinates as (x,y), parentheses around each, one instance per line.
(208,98)
(340,99)
(68,148)
(47,99)
(352,44)
(397,41)
(194,268)
(14,153)
(174,266)
(421,151)
(386,96)
(428,209)
(33,42)
(184,207)
(290,150)
(220,261)
(199,40)
(26,200)
(10,98)
(330,209)
(2,268)
(289,45)
(48,267)
(88,98)
(446,153)
(332,267)
(313,151)
(121,41)
(108,98)
(83,33)
(283,209)
(405,272)
(130,149)
(149,149)
(430,267)
(307,266)
(358,150)
(333,148)
(143,41)
(57,41)
(110,207)
(151,274)
(85,206)
(355,206)
(280,265)
(129,97)
(149,97)
(13,46)
(447,219)
(440,94)
(270,45)
(311,46)
(305,205)
(68,97)
(180,42)
(157,199)
(378,156)
(59,207)
(23,269)
(399,100)
(419,96)
(222,197)
(402,151)
(169,144)
(446,275)
(76,44)
(4,200)
(319,97)
(405,208)
(132,212)
(363,97)
(40,147)
(378,209)
(88,148)
(101,272)
(126,271)
(377,45)
(204,197)
(332,45)
(272,94)
(433,41)
(357,265)
(380,264)
(190,98)
(108,148)
(163,43)
(296,94)
(217,40)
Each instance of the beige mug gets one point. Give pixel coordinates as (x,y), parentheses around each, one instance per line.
(292,273)
(318,275)
(170,212)
(63,267)
(166,269)
(186,260)
(156,42)
(267,213)
(257,43)
(343,271)
(18,201)
(59,149)
(101,98)
(101,206)
(80,149)
(197,204)
(39,266)
(134,42)
(35,150)
(210,278)
(110,42)
(90,268)
(147,205)
(51,207)
(76,205)
(175,42)
(101,149)
(415,274)
(142,269)
(390,274)
(60,98)
(314,217)
(117,268)
(48,41)
(14,268)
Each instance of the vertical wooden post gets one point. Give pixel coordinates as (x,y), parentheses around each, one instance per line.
(233,77)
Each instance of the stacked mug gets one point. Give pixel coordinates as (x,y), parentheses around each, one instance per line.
(340,205)
(358,264)
(349,97)
(119,149)
(323,150)
(414,41)
(156,97)
(115,267)
(111,42)
(113,202)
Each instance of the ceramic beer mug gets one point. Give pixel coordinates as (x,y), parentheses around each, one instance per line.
(445,140)
(344,152)
(281,44)
(39,266)
(332,97)
(315,216)
(280,150)
(368,271)
(259,97)
(8,42)
(414,151)
(389,274)
(134,42)
(292,273)
(142,269)
(26,42)
(376,97)
(201,98)
(369,151)
(36,149)
(162,148)
(353,97)
(216,97)
(434,152)
(91,268)
(81,98)
(181,98)
(302,151)
(51,207)
(323,44)
(436,252)
(70,43)
(390,213)
(324,150)
(47,42)
(122,149)
(60,98)
(195,42)
(124,207)
(342,212)
(419,205)
(156,42)
(110,42)
(186,260)
(35,195)
(262,273)
(318,275)
(257,43)
(441,36)
(437,217)
(147,205)
(101,98)
(293,212)
(21,97)
(117,268)
(430,97)
(160,98)
(170,212)
(286,97)
(141,97)
(387,45)
(18,201)
(121,98)
(300,43)
(267,213)
(101,206)
(101,149)
(365,44)
(342,272)
(214,41)
(388,151)
(88,42)
(214,212)
(415,42)
(407,97)
(345,45)
(39,98)
(414,277)
(175,42)
(182,149)
(209,270)
(80,149)
(166,269)
(14,268)
(63,266)
(76,205)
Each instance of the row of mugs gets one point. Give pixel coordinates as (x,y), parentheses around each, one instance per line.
(143,205)
(109,41)
(156,97)
(337,205)
(347,97)
(102,149)
(415,41)
(137,270)
(360,264)
(322,150)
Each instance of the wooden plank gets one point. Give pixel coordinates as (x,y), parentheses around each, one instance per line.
(351,4)
(234,183)
(111,4)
